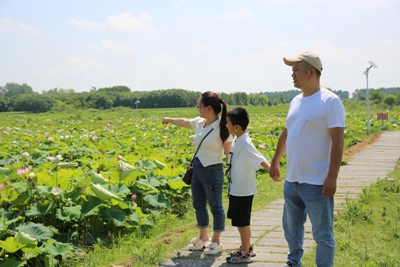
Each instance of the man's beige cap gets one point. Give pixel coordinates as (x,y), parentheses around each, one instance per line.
(309,57)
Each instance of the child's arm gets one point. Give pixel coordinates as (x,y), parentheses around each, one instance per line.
(266,165)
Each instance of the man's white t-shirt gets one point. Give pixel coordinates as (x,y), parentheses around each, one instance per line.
(308,143)
(211,150)
(245,160)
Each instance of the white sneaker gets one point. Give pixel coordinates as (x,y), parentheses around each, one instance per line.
(213,248)
(197,244)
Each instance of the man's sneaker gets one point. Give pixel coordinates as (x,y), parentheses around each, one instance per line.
(251,251)
(239,258)
(288,264)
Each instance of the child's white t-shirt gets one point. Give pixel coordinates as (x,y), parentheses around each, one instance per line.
(245,160)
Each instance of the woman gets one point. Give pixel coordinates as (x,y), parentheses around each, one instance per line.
(208,177)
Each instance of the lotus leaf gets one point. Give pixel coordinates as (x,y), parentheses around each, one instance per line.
(97,178)
(66,250)
(12,262)
(115,215)
(103,193)
(91,206)
(10,245)
(69,213)
(37,230)
(40,208)
(159,164)
(158,201)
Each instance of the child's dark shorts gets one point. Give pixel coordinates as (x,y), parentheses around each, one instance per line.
(240,210)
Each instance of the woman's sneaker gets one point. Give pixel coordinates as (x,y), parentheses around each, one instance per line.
(197,244)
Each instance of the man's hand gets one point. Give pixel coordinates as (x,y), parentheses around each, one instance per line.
(329,188)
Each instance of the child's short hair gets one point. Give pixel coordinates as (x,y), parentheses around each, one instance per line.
(239,116)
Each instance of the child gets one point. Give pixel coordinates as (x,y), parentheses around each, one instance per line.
(244,160)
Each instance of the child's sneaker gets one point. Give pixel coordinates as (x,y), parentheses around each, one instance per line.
(251,251)
(239,258)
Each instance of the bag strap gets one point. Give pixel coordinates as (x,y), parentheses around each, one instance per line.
(200,145)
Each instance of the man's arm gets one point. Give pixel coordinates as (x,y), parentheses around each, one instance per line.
(337,136)
(279,152)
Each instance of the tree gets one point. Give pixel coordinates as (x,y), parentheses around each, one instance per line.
(118,88)
(31,103)
(360,96)
(3,104)
(377,96)
(390,100)
(12,89)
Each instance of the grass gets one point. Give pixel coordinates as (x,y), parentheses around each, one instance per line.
(367,232)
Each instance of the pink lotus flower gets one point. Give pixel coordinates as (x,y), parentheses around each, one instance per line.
(133,198)
(23,170)
(50,139)
(261,146)
(1,187)
(51,158)
(25,154)
(55,191)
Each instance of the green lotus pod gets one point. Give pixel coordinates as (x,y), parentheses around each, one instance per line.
(159,164)
(102,193)
(97,178)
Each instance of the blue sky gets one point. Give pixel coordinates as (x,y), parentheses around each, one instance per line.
(220,45)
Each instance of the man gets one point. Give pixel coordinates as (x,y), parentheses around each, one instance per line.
(313,142)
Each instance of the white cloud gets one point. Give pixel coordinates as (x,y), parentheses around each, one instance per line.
(376,3)
(311,30)
(114,47)
(327,51)
(126,21)
(238,14)
(11,25)
(202,48)
(87,24)
(179,3)
(76,66)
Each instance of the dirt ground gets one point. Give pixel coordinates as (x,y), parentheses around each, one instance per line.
(350,151)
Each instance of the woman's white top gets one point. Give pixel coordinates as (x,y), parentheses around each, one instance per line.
(211,150)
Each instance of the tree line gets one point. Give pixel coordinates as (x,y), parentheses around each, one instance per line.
(17,97)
